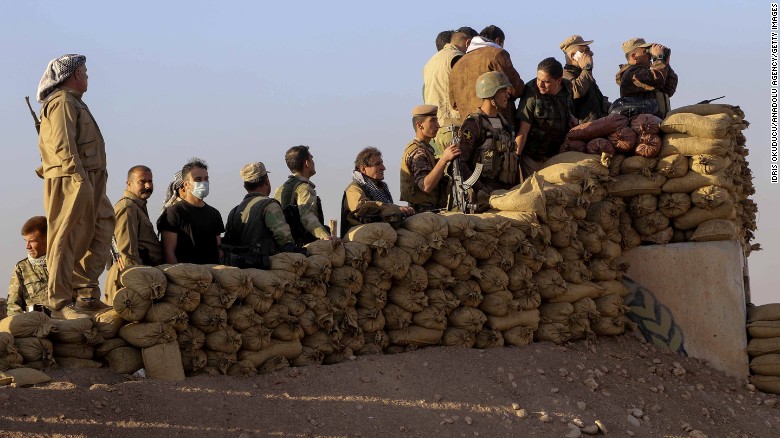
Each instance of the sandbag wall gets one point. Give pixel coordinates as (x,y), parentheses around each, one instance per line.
(764,347)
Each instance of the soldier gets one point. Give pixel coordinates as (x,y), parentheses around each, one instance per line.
(256,228)
(367,198)
(545,116)
(299,200)
(80,217)
(486,137)
(647,76)
(191,228)
(485,53)
(29,281)
(136,240)
(589,103)
(423,184)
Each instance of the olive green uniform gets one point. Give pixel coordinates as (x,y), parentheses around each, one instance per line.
(550,117)
(80,218)
(29,286)
(300,191)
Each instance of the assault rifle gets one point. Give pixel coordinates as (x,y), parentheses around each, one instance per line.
(460,188)
(710,100)
(32,113)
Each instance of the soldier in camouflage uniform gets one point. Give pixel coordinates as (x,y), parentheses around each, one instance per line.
(30,277)
(545,116)
(423,182)
(486,138)
(256,227)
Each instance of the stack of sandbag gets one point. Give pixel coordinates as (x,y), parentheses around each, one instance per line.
(23,341)
(9,354)
(764,347)
(616,134)
(74,342)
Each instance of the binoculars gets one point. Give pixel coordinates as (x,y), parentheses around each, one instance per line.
(667,52)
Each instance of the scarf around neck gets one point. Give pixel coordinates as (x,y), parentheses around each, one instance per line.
(377,192)
(40,261)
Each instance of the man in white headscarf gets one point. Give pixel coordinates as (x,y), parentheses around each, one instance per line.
(80,217)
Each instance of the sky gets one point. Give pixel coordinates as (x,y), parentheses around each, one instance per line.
(237,82)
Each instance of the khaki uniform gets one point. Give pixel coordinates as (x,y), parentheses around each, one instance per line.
(589,103)
(436,91)
(357,207)
(300,191)
(79,216)
(417,162)
(29,286)
(135,237)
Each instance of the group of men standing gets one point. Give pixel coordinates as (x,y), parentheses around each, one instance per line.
(469,125)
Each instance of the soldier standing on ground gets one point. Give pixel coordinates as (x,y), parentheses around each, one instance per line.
(29,281)
(79,215)
(423,182)
(134,233)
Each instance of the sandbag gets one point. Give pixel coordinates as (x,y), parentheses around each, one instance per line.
(289,261)
(554,332)
(287,349)
(242,368)
(27,324)
(515,318)
(371,320)
(573,271)
(38,350)
(716,229)
(371,297)
(599,146)
(598,128)
(672,166)
(518,336)
(208,319)
(318,267)
(267,282)
(467,318)
(638,164)
(107,323)
(394,261)
(710,164)
(468,293)
(706,109)
(648,145)
(481,246)
(357,255)
(768,384)
(527,299)
(632,185)
(611,306)
(605,213)
(104,348)
(78,351)
(126,360)
(378,235)
(308,356)
(131,305)
(696,216)
(333,249)
(650,223)
(75,331)
(167,313)
(498,303)
(460,226)
(527,197)
(148,281)
(450,254)
(147,334)
(163,362)
(188,275)
(550,284)
(191,339)
(711,126)
(766,365)
(439,277)
(502,257)
(181,297)
(351,279)
(234,280)
(692,181)
(415,335)
(623,139)
(761,346)
(766,312)
(674,204)
(641,205)
(572,146)
(225,340)
(493,279)
(218,362)
(709,197)
(645,124)
(489,338)
(555,312)
(396,318)
(431,225)
(458,337)
(575,292)
(255,338)
(689,145)
(260,301)
(606,326)
(764,329)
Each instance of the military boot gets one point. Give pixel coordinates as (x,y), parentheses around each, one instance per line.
(88,300)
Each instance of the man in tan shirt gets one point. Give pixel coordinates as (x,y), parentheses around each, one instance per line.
(80,217)
(136,240)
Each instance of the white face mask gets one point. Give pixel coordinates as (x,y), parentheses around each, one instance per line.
(200,189)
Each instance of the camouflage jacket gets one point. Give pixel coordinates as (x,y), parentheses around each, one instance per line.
(642,81)
(28,287)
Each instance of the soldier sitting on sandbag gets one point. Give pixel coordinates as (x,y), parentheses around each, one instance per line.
(255,228)
(647,81)
(367,198)
(28,282)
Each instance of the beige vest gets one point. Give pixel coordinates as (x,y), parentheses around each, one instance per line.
(436,84)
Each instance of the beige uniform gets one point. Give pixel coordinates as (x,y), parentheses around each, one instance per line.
(135,239)
(79,216)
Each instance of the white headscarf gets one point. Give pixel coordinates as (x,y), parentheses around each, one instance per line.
(479,42)
(57,71)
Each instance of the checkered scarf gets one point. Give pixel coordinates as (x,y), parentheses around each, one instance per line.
(377,192)
(172,194)
(57,71)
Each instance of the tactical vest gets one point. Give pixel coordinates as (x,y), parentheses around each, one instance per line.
(255,243)
(550,122)
(410,192)
(497,151)
(289,201)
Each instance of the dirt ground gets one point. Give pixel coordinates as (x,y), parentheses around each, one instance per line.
(542,390)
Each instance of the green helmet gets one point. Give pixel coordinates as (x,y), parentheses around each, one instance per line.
(490,83)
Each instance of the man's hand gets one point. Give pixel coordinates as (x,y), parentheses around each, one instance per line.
(450,152)
(657,50)
(406,210)
(585,59)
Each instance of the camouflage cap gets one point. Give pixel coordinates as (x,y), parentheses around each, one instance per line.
(574,40)
(425,110)
(252,172)
(633,44)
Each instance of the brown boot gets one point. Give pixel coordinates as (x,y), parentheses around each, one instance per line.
(68,312)
(88,299)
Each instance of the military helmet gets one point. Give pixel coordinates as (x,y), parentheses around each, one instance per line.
(490,83)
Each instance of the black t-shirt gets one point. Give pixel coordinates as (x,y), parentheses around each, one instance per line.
(196,231)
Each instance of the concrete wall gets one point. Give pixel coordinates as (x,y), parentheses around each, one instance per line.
(693,294)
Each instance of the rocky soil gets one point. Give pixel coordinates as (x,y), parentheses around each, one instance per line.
(617,386)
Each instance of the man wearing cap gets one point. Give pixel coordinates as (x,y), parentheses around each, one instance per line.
(436,85)
(136,240)
(30,278)
(367,198)
(544,117)
(486,138)
(589,103)
(257,223)
(647,75)
(485,53)
(423,184)
(80,217)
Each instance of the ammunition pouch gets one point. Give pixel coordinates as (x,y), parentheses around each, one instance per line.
(255,256)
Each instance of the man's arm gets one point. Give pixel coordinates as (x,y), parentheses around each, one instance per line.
(582,83)
(428,178)
(169,240)
(670,86)
(522,136)
(307,208)
(126,233)
(274,220)
(357,198)
(524,113)
(59,131)
(16,293)
(503,63)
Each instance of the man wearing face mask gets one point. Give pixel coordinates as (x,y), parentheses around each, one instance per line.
(30,277)
(486,138)
(191,229)
(134,233)
(545,116)
(589,103)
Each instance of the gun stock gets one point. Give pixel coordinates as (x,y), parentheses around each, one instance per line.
(32,113)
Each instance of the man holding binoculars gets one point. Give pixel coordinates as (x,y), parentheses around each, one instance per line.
(647,75)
